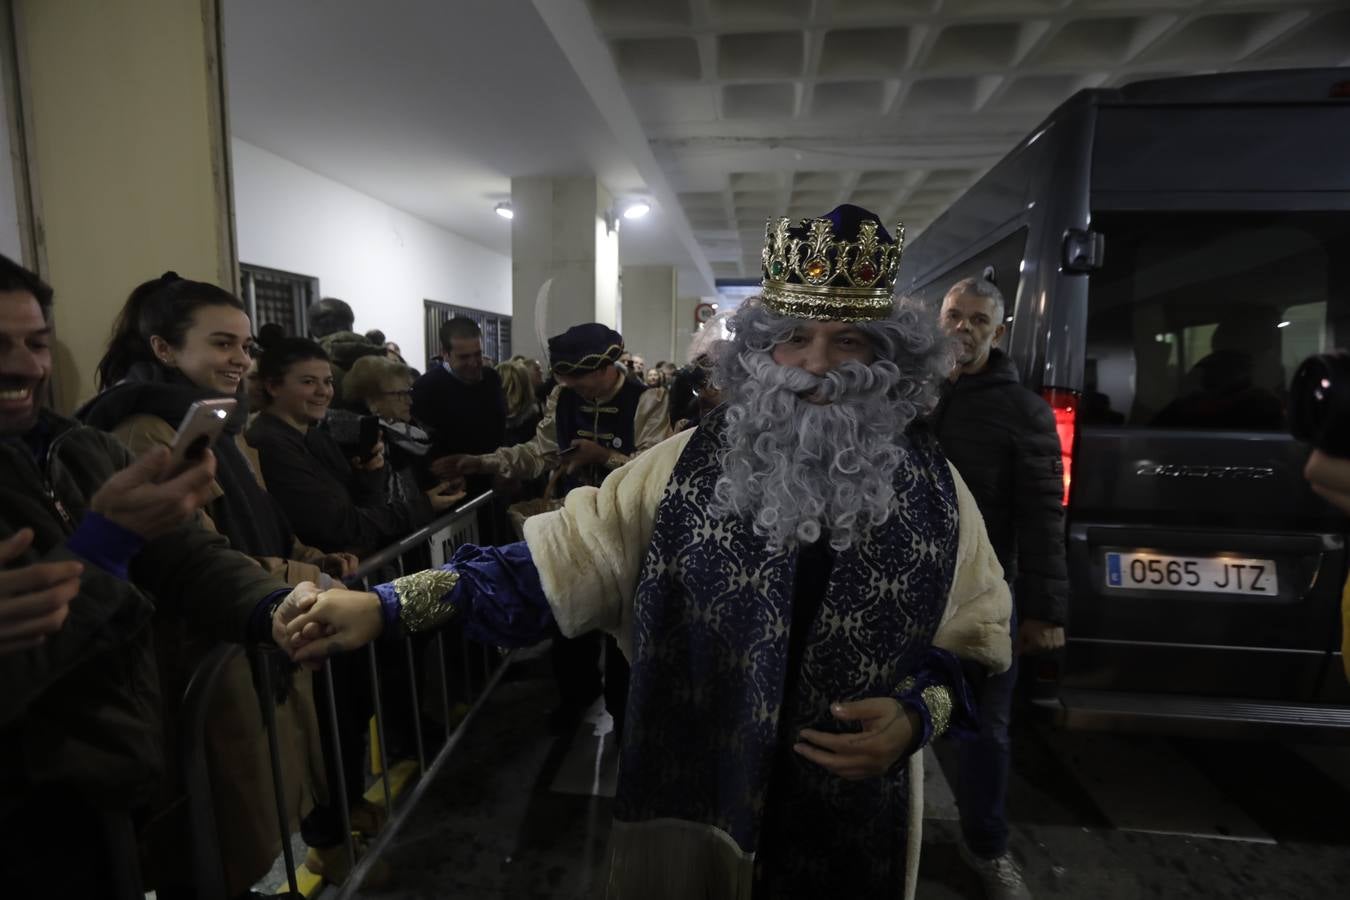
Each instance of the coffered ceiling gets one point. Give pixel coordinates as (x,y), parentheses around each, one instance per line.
(724,113)
(759,108)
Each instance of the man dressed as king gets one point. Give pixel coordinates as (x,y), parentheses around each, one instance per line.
(795,583)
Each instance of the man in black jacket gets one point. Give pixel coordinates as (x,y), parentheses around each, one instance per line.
(1002,439)
(461,400)
(91,545)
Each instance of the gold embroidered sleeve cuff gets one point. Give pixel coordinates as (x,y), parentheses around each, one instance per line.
(934,702)
(421,599)
(938,699)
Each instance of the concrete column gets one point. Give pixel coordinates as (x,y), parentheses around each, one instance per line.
(127,163)
(649,312)
(559,232)
(685,326)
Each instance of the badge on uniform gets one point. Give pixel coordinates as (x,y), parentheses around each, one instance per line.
(617,442)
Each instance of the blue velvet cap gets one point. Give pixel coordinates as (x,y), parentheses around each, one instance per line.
(584,348)
(845,224)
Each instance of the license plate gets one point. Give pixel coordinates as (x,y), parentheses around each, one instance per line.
(1198,574)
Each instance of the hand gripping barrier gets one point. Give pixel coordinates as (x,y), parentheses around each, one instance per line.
(436,541)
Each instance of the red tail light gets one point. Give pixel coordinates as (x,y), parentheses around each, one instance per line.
(1064,402)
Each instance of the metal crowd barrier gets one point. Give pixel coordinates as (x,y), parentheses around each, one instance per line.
(440,538)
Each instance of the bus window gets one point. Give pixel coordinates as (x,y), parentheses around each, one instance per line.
(1198,320)
(1001,260)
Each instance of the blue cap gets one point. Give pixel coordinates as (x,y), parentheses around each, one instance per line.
(584,348)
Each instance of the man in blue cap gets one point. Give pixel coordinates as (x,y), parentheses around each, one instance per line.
(595,421)
(795,582)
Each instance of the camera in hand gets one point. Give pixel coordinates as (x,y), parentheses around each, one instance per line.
(356,435)
(1319,402)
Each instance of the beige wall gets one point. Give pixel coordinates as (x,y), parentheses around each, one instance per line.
(649,311)
(684,326)
(129,158)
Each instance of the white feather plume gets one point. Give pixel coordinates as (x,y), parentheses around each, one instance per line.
(541,316)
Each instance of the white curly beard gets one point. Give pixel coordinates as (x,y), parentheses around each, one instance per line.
(798,467)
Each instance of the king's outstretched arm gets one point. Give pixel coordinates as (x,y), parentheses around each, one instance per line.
(577,569)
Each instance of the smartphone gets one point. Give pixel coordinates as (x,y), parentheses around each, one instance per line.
(368,436)
(201,425)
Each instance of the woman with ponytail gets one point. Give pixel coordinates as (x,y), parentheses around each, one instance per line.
(177,341)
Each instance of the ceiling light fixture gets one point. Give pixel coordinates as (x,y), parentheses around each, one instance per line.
(637,209)
(504,210)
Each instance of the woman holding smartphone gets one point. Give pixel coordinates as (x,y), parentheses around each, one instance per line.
(177,342)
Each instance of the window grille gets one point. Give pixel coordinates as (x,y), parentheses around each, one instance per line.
(496,328)
(271,295)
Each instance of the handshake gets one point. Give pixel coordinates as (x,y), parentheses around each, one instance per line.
(310,624)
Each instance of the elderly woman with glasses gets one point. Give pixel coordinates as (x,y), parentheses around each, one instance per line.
(383,388)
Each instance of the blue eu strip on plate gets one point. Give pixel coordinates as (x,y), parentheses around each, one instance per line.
(1113,569)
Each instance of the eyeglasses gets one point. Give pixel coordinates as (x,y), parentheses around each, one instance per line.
(407,393)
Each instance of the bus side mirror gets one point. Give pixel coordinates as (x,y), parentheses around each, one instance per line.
(1084,251)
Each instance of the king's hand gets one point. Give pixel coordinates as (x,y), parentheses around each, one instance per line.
(338,621)
(889,732)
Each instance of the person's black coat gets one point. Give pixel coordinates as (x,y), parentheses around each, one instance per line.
(80,713)
(330,505)
(462,418)
(1001,437)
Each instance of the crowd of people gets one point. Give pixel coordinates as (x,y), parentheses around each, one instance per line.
(795,556)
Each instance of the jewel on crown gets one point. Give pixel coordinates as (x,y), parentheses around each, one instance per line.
(821,259)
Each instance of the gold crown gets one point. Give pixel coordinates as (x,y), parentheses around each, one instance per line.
(811,274)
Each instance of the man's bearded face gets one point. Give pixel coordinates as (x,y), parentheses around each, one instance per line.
(25,360)
(812,440)
(821,347)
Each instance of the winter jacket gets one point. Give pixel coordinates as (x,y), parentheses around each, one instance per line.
(330,505)
(462,417)
(1001,437)
(80,713)
(407,460)
(143,411)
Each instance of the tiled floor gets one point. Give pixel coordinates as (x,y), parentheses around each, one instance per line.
(520,815)
(516,814)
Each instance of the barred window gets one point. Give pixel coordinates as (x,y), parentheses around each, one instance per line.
(496,329)
(271,295)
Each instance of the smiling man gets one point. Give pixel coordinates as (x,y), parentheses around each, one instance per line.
(601,418)
(793,580)
(460,400)
(87,537)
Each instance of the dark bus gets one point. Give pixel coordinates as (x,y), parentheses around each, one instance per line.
(1170,251)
